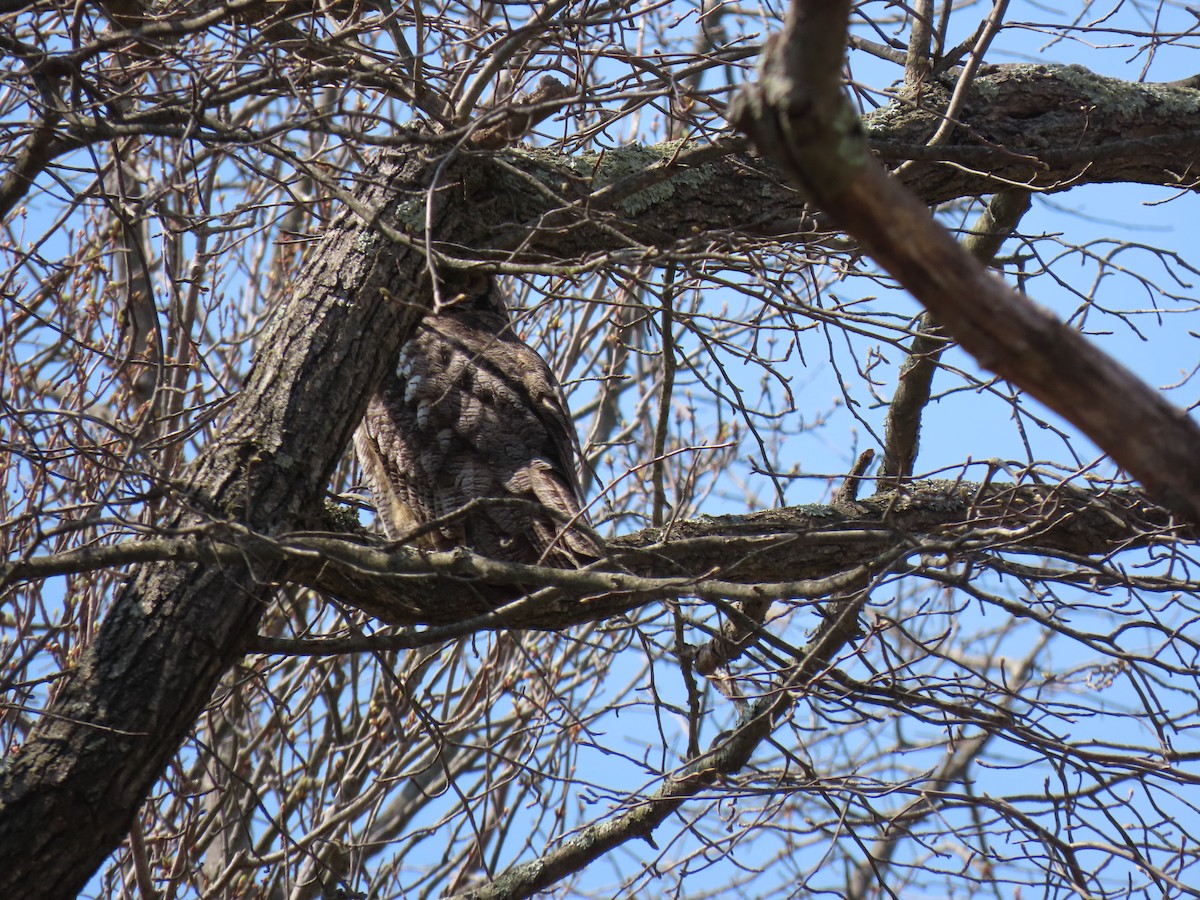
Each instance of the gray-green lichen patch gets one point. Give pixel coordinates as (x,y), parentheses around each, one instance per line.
(614,166)
(366,241)
(815,510)
(647,198)
(1126,98)
(410,214)
(887,118)
(1118,98)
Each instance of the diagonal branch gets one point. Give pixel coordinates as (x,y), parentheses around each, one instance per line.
(175,627)
(798,114)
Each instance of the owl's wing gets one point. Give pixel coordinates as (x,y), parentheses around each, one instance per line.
(387,456)
(553,473)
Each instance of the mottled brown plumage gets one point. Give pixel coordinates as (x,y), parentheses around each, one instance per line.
(472,413)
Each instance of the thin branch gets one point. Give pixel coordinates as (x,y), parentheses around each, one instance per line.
(902,428)
(666,386)
(729,754)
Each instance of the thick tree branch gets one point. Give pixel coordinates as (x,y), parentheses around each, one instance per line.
(1036,127)
(1032,126)
(1041,127)
(793,553)
(176,627)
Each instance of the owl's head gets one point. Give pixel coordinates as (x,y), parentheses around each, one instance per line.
(474,296)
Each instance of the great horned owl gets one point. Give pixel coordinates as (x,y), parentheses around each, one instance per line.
(469,443)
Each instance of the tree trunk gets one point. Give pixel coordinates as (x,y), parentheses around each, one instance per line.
(68,796)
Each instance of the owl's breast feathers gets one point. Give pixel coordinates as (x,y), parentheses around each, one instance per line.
(472,432)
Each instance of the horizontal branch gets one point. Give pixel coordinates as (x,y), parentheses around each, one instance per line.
(794,553)
(1035,126)
(1038,127)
